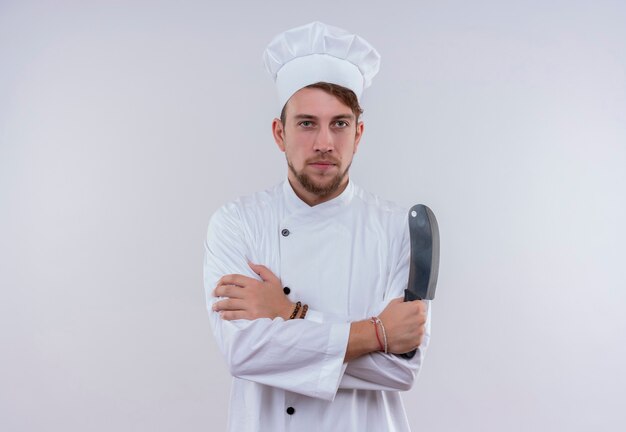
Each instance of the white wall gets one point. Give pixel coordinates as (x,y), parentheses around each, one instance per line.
(124,125)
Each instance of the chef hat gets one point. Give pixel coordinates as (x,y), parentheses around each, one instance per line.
(318,52)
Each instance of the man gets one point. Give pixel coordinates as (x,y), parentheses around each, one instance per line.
(304,280)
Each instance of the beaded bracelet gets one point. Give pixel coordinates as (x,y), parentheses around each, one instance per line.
(295,310)
(378,322)
(305,308)
(382,327)
(380,344)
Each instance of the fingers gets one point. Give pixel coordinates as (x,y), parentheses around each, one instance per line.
(265,273)
(232,309)
(241,280)
(417,310)
(421,308)
(417,306)
(229,304)
(232,291)
(234,315)
(235,279)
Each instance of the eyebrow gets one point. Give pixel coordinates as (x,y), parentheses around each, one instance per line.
(312,117)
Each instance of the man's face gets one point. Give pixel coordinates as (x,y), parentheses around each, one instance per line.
(320,136)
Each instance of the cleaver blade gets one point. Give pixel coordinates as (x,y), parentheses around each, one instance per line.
(424,262)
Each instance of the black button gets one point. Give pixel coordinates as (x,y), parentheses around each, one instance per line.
(285,232)
(287,290)
(291,410)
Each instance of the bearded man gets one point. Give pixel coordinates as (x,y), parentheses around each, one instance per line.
(304,281)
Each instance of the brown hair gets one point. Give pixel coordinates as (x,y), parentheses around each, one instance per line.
(344,94)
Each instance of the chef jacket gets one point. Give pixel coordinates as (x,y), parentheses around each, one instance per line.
(346,258)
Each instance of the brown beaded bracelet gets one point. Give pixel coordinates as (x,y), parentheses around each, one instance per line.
(305,308)
(295,310)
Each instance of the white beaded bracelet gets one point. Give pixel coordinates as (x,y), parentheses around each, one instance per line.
(382,327)
(377,321)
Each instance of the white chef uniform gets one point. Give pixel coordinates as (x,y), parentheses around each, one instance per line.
(346,258)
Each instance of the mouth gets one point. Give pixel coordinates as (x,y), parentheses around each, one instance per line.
(322,165)
(323,162)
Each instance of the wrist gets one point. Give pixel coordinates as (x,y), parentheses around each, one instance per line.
(288,311)
(381,336)
(294,311)
(362,340)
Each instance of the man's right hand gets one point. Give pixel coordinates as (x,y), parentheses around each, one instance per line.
(249,298)
(405,324)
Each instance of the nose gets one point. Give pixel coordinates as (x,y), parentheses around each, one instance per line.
(324,141)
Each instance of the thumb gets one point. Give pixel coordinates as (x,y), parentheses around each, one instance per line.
(265,273)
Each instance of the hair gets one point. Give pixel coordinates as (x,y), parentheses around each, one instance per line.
(344,94)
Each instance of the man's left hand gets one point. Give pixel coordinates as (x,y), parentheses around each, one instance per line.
(250,298)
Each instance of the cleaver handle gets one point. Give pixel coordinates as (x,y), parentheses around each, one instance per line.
(409,296)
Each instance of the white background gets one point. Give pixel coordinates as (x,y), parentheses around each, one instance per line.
(125,124)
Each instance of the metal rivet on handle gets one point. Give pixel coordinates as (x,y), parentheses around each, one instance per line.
(413,213)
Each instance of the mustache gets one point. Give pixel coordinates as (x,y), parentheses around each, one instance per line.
(325,159)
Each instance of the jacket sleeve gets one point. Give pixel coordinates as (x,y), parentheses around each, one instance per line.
(380,371)
(301,356)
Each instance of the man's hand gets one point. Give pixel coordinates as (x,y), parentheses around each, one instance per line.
(250,298)
(405,325)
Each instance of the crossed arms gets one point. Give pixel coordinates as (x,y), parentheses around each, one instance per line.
(250,298)
(315,356)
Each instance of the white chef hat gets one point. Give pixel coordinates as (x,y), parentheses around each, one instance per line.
(318,52)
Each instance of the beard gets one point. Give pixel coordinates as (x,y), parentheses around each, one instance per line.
(320,189)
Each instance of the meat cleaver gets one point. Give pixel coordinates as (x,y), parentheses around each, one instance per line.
(424,264)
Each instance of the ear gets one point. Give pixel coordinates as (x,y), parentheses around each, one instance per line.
(278,131)
(357,138)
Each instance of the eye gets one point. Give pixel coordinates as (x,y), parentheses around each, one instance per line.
(341,124)
(306,123)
